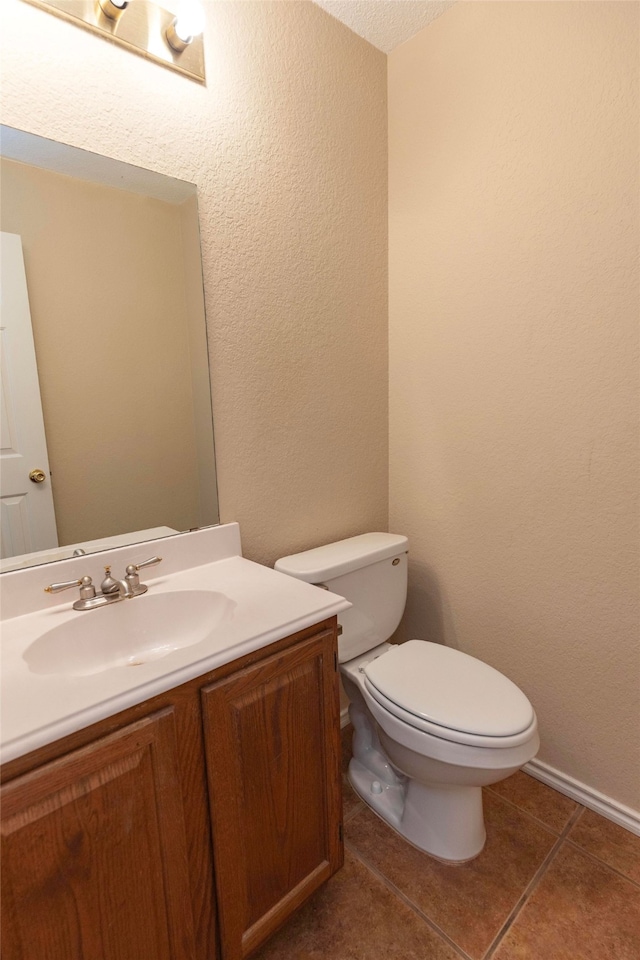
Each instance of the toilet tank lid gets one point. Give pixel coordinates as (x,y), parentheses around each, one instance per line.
(335,559)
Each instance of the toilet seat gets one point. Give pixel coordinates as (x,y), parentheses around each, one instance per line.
(450,695)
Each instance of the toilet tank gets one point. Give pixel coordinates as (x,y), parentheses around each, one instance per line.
(371,572)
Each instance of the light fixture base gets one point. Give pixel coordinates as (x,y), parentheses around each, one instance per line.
(174,39)
(111,10)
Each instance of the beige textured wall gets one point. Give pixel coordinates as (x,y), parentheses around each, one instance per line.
(287,144)
(107,292)
(513,143)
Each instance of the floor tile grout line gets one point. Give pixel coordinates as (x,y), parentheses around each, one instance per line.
(594,856)
(409,903)
(601,862)
(571,822)
(522,899)
(532,816)
(351,814)
(533,883)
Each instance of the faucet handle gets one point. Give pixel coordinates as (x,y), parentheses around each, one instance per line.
(132,578)
(145,563)
(87,589)
(57,587)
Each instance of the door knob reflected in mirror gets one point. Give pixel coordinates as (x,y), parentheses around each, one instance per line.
(37,476)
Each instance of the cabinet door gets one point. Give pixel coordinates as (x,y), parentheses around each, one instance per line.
(94,860)
(273,759)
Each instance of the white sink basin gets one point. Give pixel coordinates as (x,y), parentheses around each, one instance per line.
(129,633)
(64,669)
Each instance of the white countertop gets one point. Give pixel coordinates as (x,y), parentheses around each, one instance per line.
(37,709)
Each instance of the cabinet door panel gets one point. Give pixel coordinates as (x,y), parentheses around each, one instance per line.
(94,853)
(272,743)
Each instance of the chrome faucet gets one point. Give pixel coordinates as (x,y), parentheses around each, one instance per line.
(111,590)
(130,586)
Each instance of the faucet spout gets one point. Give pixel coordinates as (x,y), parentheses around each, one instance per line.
(124,589)
(130,586)
(112,588)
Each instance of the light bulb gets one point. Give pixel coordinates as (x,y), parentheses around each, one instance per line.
(189,21)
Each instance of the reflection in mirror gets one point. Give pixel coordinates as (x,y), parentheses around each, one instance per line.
(109,304)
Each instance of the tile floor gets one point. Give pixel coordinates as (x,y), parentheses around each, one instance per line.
(554,882)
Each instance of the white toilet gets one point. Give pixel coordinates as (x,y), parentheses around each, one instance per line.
(432,725)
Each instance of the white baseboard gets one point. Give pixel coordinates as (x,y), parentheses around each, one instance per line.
(587,796)
(580,792)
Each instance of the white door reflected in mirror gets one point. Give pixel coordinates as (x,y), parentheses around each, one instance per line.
(26,500)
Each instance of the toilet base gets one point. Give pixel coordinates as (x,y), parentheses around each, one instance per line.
(446,822)
(442,819)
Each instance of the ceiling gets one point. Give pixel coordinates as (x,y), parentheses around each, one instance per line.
(385,23)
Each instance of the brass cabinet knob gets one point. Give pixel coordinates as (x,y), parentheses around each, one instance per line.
(37,476)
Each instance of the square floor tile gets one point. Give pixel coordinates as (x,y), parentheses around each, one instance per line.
(355,917)
(609,842)
(471,901)
(536,798)
(580,910)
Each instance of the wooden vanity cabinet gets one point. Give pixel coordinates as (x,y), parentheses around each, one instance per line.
(107,850)
(95,860)
(273,762)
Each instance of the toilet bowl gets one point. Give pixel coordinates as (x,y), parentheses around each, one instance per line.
(432,725)
(431,788)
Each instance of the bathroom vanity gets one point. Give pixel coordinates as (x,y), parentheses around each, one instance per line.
(189,823)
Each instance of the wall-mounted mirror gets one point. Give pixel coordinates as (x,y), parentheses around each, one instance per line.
(102,286)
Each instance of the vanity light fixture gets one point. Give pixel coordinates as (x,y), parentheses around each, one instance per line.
(173,40)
